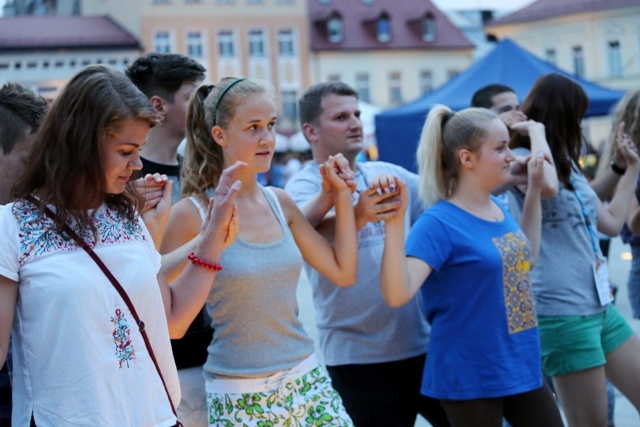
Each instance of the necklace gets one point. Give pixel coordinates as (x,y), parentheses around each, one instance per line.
(491,216)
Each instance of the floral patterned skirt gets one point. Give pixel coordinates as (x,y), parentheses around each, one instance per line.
(299,397)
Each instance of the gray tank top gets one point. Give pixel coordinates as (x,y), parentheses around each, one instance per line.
(254,309)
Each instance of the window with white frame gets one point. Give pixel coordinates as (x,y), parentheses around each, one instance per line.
(256,43)
(226,47)
(428,28)
(426,82)
(162,42)
(395,89)
(285,42)
(384,29)
(614,58)
(362,87)
(335,29)
(194,44)
(578,61)
(550,55)
(290,105)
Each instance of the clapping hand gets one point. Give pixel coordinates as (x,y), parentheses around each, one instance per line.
(626,150)
(383,200)
(343,170)
(511,117)
(221,225)
(151,187)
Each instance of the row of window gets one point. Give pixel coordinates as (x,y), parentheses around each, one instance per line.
(394,84)
(614,59)
(427,28)
(60,63)
(195,42)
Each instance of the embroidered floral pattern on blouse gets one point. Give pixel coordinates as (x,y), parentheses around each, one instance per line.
(38,235)
(122,339)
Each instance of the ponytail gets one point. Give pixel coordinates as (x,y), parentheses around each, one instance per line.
(431,168)
(444,134)
(203,162)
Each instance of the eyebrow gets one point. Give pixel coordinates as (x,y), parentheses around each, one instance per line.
(259,120)
(133,144)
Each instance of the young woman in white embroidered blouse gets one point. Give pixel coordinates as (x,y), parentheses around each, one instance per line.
(79,357)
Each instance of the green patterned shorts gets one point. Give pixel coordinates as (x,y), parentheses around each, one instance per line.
(300,397)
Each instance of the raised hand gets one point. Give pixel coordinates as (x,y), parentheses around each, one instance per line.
(525,127)
(511,117)
(381,201)
(332,180)
(342,168)
(626,150)
(151,187)
(156,215)
(535,169)
(221,226)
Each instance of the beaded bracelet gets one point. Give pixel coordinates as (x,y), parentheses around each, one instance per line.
(202,263)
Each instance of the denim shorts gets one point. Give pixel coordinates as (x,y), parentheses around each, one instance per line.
(575,343)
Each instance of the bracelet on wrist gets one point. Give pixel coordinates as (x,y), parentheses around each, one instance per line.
(617,169)
(202,263)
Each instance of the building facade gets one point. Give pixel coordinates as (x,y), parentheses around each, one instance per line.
(43,52)
(391,52)
(262,39)
(593,39)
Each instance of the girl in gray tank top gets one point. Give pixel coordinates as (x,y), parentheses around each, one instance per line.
(259,348)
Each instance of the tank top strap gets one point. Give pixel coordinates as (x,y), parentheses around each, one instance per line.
(272,198)
(199,206)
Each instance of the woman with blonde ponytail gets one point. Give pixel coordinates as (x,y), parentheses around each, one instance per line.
(261,368)
(471,261)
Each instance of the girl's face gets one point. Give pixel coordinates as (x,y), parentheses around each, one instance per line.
(250,136)
(120,154)
(494,156)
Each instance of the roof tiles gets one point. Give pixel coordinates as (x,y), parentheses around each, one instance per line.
(359,17)
(544,9)
(69,32)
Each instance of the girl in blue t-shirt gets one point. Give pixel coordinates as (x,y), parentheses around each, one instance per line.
(471,260)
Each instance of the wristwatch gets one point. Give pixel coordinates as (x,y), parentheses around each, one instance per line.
(617,169)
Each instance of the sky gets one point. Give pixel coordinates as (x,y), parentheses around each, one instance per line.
(456,4)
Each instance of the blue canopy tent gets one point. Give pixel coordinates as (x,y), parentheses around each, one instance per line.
(398,129)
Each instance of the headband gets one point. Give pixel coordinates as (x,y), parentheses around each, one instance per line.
(224,91)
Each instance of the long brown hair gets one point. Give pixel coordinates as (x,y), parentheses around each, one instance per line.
(65,169)
(211,105)
(559,104)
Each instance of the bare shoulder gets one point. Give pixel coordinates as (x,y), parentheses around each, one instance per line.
(288,206)
(186,208)
(183,225)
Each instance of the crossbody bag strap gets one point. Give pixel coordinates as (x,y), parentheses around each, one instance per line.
(121,291)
